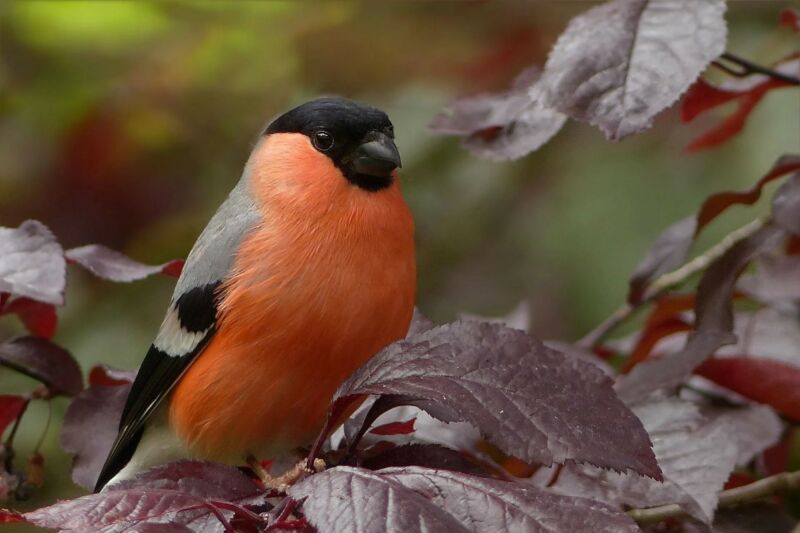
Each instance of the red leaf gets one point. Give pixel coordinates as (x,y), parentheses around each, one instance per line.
(703,96)
(650,337)
(44,361)
(774,383)
(10,516)
(395,428)
(40,319)
(738,479)
(749,91)
(112,265)
(11,406)
(790,18)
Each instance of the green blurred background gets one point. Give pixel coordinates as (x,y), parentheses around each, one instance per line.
(126,123)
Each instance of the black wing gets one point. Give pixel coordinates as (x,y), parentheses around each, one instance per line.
(190,324)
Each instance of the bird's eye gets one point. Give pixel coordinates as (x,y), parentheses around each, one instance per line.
(322,140)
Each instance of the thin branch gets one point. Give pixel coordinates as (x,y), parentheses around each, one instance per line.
(747,68)
(729,498)
(669,280)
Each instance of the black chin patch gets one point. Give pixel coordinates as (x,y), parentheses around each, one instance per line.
(369,183)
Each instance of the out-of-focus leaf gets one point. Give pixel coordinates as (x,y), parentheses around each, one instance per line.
(696,453)
(748,91)
(44,361)
(90,427)
(512,388)
(112,265)
(776,281)
(10,516)
(483,504)
(32,263)
(424,455)
(671,248)
(716,204)
(11,406)
(786,205)
(790,18)
(40,318)
(174,494)
(713,321)
(774,383)
(353,499)
(505,125)
(621,63)
(668,252)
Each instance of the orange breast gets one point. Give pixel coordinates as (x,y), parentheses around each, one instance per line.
(326,281)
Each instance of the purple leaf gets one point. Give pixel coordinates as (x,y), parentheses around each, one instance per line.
(90,427)
(714,321)
(352,499)
(112,265)
(419,323)
(621,63)
(423,455)
(667,253)
(776,281)
(178,494)
(483,504)
(505,125)
(786,205)
(44,361)
(696,453)
(32,263)
(532,402)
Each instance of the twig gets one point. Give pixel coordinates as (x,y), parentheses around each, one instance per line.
(748,68)
(728,498)
(669,280)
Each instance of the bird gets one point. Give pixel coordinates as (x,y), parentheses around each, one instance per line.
(305,271)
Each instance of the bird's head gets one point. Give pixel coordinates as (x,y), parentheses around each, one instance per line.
(356,139)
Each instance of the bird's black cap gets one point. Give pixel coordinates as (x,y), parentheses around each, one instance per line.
(358,138)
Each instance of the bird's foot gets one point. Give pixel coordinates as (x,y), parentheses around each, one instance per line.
(287,479)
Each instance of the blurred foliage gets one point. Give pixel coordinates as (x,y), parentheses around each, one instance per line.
(126,123)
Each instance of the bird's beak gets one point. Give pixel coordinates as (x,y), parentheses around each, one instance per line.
(376,156)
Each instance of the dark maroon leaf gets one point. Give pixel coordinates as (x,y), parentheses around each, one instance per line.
(90,427)
(786,205)
(713,324)
(353,499)
(44,361)
(32,263)
(532,402)
(696,451)
(103,375)
(621,63)
(176,494)
(112,265)
(11,406)
(395,428)
(483,504)
(424,455)
(505,125)
(40,319)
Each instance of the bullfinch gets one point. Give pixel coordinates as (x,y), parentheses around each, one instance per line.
(306,270)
